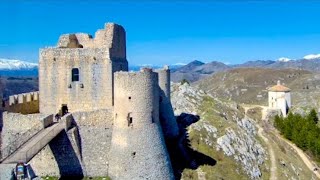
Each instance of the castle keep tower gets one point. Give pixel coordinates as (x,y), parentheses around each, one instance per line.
(78,72)
(279,98)
(167,118)
(137,147)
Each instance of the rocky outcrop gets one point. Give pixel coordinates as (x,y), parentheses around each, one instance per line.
(236,139)
(184,98)
(245,150)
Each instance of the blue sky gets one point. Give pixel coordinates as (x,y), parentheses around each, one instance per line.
(168,32)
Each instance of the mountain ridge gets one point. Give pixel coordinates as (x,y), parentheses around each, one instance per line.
(192,71)
(14,64)
(204,70)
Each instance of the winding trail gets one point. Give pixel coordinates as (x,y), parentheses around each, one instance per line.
(273,168)
(310,164)
(273,165)
(273,174)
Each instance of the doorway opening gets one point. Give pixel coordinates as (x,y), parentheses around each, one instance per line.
(64,109)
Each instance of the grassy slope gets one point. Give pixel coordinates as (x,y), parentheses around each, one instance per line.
(226,167)
(284,153)
(244,84)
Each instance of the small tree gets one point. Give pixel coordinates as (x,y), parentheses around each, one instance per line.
(313,116)
(278,123)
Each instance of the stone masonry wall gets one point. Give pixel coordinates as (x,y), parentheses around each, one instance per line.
(83,150)
(60,158)
(18,128)
(138,149)
(113,37)
(97,60)
(167,118)
(95,129)
(92,91)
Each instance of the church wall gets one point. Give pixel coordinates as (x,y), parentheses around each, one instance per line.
(279,100)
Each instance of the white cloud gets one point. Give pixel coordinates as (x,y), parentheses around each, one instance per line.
(284,59)
(311,56)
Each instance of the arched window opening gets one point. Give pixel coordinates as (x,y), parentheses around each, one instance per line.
(75,74)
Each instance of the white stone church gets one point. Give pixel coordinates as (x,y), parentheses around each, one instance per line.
(280,98)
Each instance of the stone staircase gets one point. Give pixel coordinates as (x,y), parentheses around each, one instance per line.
(34,145)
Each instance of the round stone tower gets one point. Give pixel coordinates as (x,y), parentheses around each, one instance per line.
(167,118)
(138,150)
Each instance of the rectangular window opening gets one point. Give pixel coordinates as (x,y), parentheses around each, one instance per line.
(75,74)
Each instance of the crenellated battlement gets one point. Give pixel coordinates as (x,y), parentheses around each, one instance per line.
(23,98)
(25,103)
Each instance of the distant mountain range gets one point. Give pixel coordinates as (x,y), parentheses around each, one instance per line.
(138,67)
(12,67)
(9,67)
(196,70)
(192,71)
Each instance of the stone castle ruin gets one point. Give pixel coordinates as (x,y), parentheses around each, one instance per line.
(116,121)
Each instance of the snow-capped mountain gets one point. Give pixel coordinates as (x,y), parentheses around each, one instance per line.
(284,59)
(11,64)
(312,56)
(12,67)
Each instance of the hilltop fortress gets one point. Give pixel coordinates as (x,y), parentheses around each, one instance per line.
(115,121)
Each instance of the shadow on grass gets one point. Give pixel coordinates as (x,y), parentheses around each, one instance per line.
(181,154)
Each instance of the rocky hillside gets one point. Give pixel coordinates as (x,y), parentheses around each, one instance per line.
(249,85)
(222,133)
(243,146)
